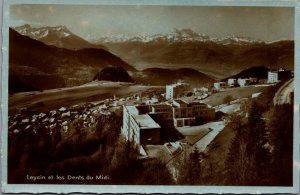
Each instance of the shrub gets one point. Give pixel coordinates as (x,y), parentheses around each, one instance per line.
(227,99)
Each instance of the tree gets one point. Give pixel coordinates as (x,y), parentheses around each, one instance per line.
(236,162)
(124,165)
(257,153)
(190,168)
(155,172)
(248,160)
(227,99)
(280,127)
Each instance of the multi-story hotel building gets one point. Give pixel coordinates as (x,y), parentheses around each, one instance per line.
(142,124)
(189,114)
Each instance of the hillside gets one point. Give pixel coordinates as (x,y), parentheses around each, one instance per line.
(261,72)
(36,66)
(115,74)
(59,36)
(162,76)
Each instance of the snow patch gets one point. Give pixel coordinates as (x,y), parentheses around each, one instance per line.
(66,34)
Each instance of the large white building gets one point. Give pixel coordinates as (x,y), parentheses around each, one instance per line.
(142,124)
(176,90)
(139,128)
(242,82)
(220,85)
(231,82)
(273,76)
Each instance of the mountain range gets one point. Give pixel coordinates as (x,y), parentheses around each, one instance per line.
(59,36)
(219,58)
(182,35)
(34,65)
(51,57)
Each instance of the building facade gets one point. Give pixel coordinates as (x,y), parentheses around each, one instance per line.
(189,114)
(231,82)
(220,85)
(142,124)
(139,128)
(273,76)
(176,90)
(243,82)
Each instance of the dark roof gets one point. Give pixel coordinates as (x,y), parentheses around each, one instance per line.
(180,102)
(197,103)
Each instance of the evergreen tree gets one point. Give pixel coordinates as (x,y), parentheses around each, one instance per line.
(190,169)
(258,155)
(249,160)
(281,140)
(154,172)
(237,160)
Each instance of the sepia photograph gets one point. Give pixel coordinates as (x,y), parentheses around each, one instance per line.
(169,95)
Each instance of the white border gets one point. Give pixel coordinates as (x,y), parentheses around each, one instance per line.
(37,188)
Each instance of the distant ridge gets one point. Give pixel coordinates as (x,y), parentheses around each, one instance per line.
(34,65)
(59,36)
(163,76)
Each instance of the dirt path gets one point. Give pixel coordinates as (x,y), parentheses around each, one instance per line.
(282,96)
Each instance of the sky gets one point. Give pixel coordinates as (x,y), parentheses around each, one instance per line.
(93,21)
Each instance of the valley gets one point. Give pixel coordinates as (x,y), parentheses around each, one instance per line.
(47,100)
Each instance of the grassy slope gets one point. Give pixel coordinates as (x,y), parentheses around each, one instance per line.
(55,98)
(236,93)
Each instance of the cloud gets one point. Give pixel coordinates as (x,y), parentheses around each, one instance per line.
(51,9)
(37,15)
(219,15)
(13,23)
(84,23)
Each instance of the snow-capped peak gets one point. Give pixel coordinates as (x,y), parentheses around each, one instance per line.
(183,35)
(42,32)
(238,40)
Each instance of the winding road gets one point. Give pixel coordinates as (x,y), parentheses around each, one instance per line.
(282,96)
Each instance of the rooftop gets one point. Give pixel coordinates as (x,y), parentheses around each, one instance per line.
(180,102)
(162,106)
(221,82)
(145,122)
(132,109)
(177,84)
(272,70)
(143,109)
(197,104)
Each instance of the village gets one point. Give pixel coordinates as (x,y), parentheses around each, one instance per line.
(184,109)
(181,108)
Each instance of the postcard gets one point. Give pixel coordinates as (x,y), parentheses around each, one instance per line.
(150,97)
